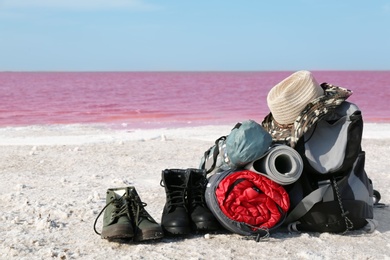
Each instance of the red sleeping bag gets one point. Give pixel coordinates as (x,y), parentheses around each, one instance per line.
(248,197)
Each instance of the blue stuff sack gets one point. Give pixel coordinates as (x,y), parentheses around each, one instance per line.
(246,142)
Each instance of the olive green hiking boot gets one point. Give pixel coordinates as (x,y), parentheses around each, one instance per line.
(145,227)
(117,222)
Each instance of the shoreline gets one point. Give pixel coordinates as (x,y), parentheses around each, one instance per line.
(95,133)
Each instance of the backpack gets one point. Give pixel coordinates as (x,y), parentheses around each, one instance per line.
(332,146)
(334,193)
(246,142)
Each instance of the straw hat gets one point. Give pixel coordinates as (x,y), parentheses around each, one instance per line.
(288,98)
(313,112)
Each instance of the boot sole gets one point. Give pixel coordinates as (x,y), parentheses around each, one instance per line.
(178,230)
(148,235)
(117,232)
(206,226)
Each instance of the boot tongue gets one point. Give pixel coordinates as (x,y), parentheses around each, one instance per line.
(180,178)
(177,186)
(176,181)
(119,193)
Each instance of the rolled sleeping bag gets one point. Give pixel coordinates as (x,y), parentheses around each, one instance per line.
(246,203)
(280,163)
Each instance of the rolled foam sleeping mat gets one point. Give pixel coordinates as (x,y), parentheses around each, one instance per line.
(280,163)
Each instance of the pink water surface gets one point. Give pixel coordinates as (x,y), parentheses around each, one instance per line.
(150,99)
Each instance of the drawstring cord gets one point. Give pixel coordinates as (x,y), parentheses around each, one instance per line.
(262,233)
(348,222)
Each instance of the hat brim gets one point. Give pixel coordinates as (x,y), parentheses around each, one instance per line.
(310,115)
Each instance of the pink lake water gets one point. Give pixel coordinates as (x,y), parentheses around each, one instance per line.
(166,99)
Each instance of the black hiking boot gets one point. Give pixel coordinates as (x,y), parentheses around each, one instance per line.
(117,222)
(201,216)
(175,219)
(145,227)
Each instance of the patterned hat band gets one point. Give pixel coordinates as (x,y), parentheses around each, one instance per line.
(309,116)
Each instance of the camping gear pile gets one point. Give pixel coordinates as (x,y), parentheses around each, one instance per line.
(314,165)
(302,168)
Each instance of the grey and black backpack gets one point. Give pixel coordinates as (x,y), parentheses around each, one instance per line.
(334,193)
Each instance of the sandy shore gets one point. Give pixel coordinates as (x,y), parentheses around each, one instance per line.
(53,181)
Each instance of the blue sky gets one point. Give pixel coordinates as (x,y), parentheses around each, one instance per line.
(184,35)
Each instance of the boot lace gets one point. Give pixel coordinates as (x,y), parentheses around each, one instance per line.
(120,204)
(175,195)
(138,210)
(197,194)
